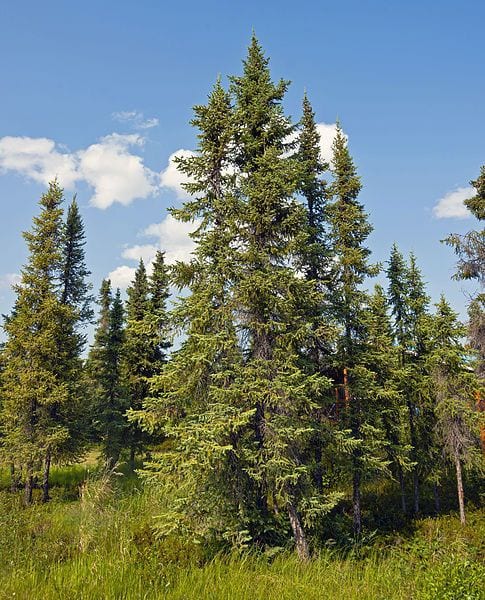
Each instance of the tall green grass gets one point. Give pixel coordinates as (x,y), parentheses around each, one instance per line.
(102,545)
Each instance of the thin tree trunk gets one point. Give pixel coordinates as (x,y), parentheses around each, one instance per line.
(299,536)
(437,499)
(416,491)
(14,478)
(402,486)
(412,431)
(29,485)
(356,504)
(45,477)
(132,459)
(459,485)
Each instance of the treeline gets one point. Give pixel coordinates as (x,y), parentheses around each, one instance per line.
(292,386)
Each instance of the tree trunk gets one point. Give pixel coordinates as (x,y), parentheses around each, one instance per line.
(29,485)
(298,534)
(357,511)
(437,499)
(14,479)
(459,485)
(45,477)
(132,459)
(402,487)
(412,432)
(416,491)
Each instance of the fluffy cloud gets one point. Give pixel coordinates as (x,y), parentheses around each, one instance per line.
(136,119)
(327,132)
(109,166)
(146,252)
(9,279)
(172,178)
(38,159)
(114,173)
(122,276)
(171,236)
(451,205)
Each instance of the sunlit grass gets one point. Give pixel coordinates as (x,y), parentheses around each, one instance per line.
(102,545)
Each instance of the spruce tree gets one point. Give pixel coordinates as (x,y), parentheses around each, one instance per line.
(470,249)
(145,341)
(244,403)
(453,385)
(316,262)
(35,390)
(105,377)
(349,229)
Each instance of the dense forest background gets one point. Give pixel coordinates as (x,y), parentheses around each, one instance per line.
(266,389)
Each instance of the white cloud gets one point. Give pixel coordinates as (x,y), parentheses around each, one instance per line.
(122,277)
(172,237)
(451,205)
(9,279)
(115,174)
(327,132)
(109,166)
(172,178)
(146,252)
(136,119)
(38,159)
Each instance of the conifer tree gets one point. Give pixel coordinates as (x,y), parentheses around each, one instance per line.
(35,391)
(316,262)
(244,403)
(349,229)
(159,292)
(470,249)
(453,385)
(409,305)
(145,340)
(385,406)
(104,372)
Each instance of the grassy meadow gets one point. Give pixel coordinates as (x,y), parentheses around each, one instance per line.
(96,539)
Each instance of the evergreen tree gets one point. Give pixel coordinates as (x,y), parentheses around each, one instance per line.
(470,249)
(409,302)
(75,290)
(104,372)
(349,228)
(243,401)
(35,390)
(158,286)
(453,385)
(385,408)
(145,340)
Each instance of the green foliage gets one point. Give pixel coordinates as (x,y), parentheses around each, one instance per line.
(38,413)
(104,372)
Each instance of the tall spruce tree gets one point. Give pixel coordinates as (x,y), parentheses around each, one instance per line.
(470,249)
(409,306)
(349,229)
(244,402)
(316,262)
(145,341)
(385,410)
(453,385)
(35,390)
(109,403)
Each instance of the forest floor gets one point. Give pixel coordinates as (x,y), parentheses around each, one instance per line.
(96,540)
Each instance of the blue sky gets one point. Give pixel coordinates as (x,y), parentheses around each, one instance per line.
(100,93)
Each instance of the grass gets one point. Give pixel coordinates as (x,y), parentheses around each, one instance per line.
(102,546)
